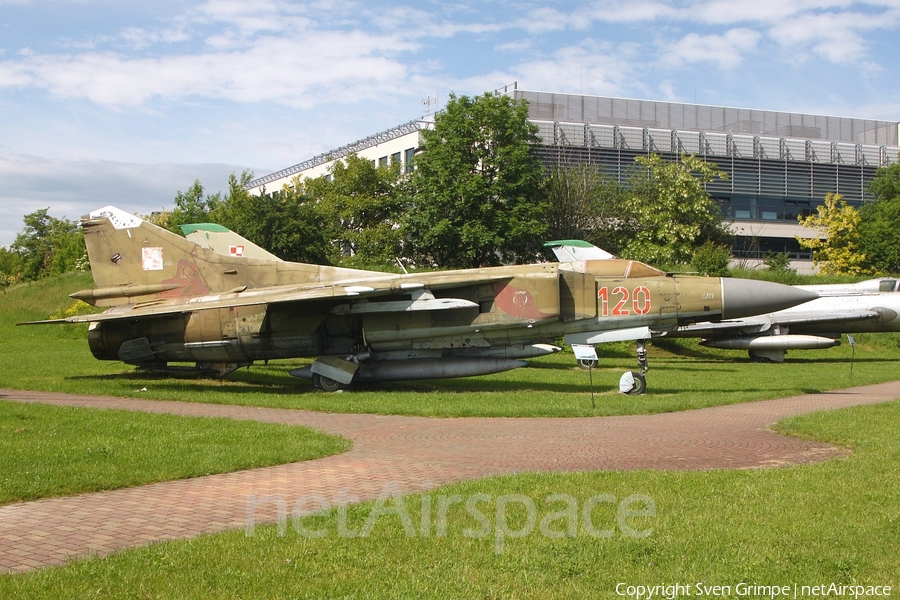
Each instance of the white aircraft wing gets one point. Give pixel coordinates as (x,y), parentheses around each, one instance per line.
(763,323)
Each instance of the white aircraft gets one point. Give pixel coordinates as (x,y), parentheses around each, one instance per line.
(866,307)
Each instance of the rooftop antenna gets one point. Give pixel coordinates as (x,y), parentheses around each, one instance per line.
(428,102)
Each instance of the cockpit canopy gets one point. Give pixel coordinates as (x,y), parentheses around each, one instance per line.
(614,267)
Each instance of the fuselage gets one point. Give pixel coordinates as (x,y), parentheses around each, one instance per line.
(170,300)
(511,308)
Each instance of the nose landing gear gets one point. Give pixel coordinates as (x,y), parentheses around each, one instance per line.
(632,382)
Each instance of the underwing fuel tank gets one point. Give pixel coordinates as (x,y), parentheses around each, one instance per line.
(748,297)
(774,342)
(424,368)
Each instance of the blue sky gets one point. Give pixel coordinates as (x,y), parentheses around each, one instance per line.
(125,103)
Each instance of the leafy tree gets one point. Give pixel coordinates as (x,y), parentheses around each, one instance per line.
(476,196)
(586,204)
(47,246)
(879,225)
(886,185)
(192,206)
(836,249)
(671,211)
(285,223)
(360,207)
(10,267)
(712,259)
(779,262)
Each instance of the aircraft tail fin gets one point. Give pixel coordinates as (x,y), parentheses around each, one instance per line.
(577,250)
(133,260)
(222,240)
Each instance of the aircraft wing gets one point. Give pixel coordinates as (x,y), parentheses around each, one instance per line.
(343,294)
(759,324)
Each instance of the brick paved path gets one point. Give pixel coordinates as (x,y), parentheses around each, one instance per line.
(409,453)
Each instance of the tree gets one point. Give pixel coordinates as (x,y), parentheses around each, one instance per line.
(836,248)
(285,223)
(10,267)
(586,204)
(880,221)
(192,206)
(778,262)
(47,246)
(886,185)
(671,211)
(712,259)
(476,196)
(360,207)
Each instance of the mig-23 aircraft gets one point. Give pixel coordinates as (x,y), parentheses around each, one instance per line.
(170,300)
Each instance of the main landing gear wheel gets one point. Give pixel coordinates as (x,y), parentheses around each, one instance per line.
(632,383)
(327,384)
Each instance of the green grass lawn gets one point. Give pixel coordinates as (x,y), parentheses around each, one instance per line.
(835,522)
(58,451)
(57,358)
(54,451)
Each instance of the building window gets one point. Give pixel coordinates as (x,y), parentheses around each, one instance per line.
(410,153)
(395,158)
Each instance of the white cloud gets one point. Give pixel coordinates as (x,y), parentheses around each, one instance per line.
(871,70)
(73,188)
(667,90)
(302,55)
(727,51)
(297,71)
(543,20)
(837,37)
(627,11)
(726,12)
(834,29)
(517,46)
(591,68)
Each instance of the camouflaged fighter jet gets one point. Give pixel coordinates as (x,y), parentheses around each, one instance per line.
(170,300)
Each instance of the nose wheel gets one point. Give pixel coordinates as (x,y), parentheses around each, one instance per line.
(632,382)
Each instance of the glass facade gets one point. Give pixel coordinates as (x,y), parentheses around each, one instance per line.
(779,165)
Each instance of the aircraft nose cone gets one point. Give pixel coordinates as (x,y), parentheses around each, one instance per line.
(747,297)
